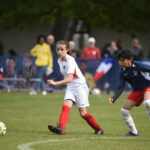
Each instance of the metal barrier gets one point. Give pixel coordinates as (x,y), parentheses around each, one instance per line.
(108,82)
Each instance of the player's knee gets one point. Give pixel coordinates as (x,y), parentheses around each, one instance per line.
(124,112)
(82,111)
(147,103)
(82,114)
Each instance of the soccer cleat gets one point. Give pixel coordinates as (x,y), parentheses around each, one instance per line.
(132,134)
(99,132)
(56,130)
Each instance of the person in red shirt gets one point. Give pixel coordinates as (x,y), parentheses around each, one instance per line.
(91,51)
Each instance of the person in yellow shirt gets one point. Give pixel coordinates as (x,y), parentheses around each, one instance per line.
(43,62)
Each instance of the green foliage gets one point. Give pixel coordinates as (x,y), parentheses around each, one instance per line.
(125,15)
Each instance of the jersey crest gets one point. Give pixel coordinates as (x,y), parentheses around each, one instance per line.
(135,72)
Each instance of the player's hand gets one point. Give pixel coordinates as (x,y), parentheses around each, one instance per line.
(111,100)
(51,82)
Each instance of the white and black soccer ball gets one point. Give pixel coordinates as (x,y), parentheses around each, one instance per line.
(2,128)
(96,91)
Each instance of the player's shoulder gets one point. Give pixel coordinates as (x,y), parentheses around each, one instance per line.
(69,58)
(137,64)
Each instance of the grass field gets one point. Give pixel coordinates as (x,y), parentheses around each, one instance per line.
(27,117)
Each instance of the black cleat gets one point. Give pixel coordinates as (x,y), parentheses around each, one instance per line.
(56,130)
(99,132)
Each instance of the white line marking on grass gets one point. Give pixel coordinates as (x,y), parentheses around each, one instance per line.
(27,146)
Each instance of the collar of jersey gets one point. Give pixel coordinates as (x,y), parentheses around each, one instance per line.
(62,60)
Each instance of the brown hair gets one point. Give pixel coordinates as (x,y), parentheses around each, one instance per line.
(64,43)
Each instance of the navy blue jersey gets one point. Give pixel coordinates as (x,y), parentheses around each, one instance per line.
(135,76)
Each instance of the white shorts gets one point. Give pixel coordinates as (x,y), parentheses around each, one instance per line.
(79,95)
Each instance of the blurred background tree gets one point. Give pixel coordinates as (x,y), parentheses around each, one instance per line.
(129,16)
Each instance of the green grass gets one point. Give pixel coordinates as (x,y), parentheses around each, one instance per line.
(27,117)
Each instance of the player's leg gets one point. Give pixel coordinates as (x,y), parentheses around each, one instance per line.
(90,120)
(125,110)
(81,94)
(64,117)
(147,102)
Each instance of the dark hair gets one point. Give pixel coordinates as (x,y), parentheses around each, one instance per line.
(12,58)
(63,43)
(124,54)
(39,37)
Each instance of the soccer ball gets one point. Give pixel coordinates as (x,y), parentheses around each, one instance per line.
(2,128)
(96,91)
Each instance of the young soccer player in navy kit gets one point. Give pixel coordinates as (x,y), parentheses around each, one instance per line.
(77,91)
(133,73)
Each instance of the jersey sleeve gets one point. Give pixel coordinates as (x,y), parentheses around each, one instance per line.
(141,66)
(71,66)
(120,88)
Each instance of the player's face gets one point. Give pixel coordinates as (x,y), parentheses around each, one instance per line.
(61,50)
(126,63)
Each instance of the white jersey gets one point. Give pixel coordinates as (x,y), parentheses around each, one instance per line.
(68,66)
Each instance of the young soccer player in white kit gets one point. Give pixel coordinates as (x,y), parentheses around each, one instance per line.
(77,91)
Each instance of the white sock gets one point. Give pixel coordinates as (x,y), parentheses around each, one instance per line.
(128,120)
(147,106)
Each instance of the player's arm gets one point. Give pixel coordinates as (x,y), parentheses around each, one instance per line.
(119,90)
(62,82)
(143,67)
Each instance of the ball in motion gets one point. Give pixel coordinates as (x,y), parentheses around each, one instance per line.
(96,91)
(2,128)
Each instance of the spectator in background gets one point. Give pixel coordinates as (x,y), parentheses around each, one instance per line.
(10,67)
(118,43)
(136,49)
(72,51)
(44,60)
(12,52)
(91,51)
(27,72)
(104,49)
(51,42)
(112,50)
(10,73)
(28,68)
